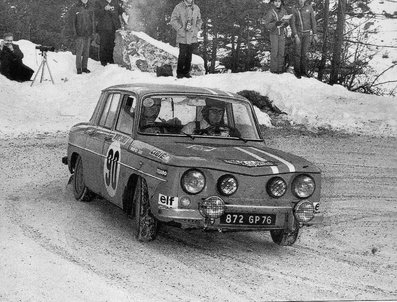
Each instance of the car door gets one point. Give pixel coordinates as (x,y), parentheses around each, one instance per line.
(115,151)
(96,138)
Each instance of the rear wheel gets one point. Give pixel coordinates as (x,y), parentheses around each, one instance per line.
(146,225)
(285,237)
(80,190)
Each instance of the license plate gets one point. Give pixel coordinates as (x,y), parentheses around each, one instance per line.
(248,219)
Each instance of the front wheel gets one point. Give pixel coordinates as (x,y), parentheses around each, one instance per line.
(146,225)
(284,237)
(80,190)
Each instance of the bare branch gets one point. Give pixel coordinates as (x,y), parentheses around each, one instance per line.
(369,44)
(378,76)
(377,84)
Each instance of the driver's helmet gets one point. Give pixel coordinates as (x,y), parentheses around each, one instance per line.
(151,107)
(213,104)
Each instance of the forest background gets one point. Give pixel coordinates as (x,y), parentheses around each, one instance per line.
(233,35)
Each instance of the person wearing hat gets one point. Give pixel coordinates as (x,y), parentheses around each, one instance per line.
(304,29)
(212,123)
(186,20)
(276,22)
(149,114)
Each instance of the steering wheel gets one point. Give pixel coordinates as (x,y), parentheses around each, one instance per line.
(160,126)
(216,129)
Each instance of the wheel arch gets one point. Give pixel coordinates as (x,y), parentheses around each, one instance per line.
(128,194)
(73,160)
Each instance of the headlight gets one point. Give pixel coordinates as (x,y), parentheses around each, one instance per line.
(212,207)
(193,181)
(227,185)
(304,211)
(303,186)
(276,187)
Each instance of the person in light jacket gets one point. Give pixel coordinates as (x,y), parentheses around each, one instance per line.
(186,20)
(304,29)
(83,24)
(276,23)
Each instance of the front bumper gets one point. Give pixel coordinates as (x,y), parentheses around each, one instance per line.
(192,218)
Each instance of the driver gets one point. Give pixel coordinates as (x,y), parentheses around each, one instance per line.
(213,120)
(150,111)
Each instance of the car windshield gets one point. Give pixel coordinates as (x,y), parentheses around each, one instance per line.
(197,116)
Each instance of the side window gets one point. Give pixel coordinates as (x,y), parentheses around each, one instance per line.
(109,112)
(125,121)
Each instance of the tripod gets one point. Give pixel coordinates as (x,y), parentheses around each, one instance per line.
(41,69)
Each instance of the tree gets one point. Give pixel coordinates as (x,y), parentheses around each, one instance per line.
(338,42)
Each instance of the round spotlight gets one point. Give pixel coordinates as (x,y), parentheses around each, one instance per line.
(276,187)
(212,207)
(227,185)
(303,186)
(304,211)
(193,181)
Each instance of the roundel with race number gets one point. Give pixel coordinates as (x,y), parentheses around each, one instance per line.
(111,168)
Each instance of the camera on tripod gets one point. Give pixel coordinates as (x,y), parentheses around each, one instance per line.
(43,48)
(44,63)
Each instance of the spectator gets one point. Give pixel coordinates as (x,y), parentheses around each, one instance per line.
(83,24)
(276,21)
(108,13)
(186,20)
(304,28)
(11,65)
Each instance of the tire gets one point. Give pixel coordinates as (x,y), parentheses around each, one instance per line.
(285,238)
(80,190)
(146,225)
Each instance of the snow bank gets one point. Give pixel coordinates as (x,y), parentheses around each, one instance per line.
(45,107)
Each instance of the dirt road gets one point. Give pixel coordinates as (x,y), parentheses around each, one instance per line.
(53,248)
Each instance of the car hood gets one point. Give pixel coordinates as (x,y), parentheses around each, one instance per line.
(250,158)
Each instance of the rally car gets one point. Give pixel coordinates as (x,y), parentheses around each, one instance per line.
(189,157)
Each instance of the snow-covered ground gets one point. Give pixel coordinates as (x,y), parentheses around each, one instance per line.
(44,107)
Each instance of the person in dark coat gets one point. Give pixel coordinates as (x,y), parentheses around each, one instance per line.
(11,65)
(108,14)
(83,26)
(304,29)
(186,20)
(276,22)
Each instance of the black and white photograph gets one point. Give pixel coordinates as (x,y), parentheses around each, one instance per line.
(198,150)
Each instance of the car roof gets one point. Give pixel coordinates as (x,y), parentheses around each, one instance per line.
(145,88)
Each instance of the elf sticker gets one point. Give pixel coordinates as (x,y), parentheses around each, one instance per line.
(168,201)
(111,168)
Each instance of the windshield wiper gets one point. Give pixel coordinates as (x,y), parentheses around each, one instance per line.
(241,138)
(188,135)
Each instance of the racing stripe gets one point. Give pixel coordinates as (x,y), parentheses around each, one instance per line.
(274,168)
(290,166)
